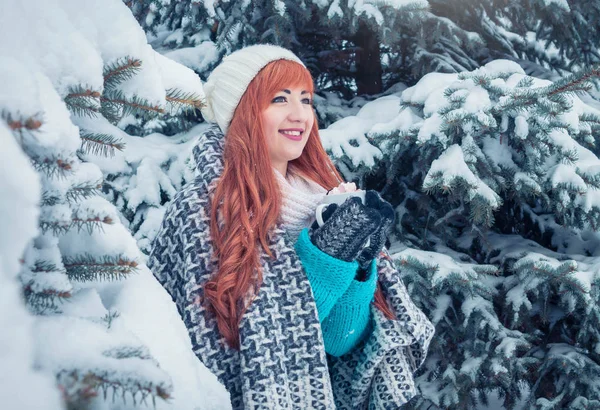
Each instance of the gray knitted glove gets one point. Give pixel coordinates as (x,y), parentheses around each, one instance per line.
(374,201)
(346,229)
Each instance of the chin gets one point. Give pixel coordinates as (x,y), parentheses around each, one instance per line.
(294,155)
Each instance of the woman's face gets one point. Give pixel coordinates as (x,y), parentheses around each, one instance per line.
(287,121)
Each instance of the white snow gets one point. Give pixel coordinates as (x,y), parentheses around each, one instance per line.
(566,167)
(431,128)
(334,9)
(403,121)
(521,127)
(499,151)
(443,302)
(451,165)
(559,3)
(471,366)
(349,135)
(565,174)
(150,314)
(68,45)
(198,58)
(21,387)
(418,93)
(477,99)
(146,166)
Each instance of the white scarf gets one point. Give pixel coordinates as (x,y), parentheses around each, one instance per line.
(300,198)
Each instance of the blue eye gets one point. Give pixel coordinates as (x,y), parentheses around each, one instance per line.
(307,101)
(279,99)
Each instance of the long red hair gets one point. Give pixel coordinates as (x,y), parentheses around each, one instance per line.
(246,202)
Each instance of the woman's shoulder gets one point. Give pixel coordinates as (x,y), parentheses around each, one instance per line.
(208,151)
(190,200)
(208,163)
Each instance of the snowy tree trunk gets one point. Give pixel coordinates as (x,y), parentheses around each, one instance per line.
(368,60)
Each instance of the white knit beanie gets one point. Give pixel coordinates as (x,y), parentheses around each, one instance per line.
(227,83)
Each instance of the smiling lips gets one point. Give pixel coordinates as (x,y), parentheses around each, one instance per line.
(295,134)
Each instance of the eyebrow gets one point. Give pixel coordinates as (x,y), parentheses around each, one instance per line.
(289,92)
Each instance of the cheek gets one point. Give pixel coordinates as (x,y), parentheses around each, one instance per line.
(311,121)
(269,124)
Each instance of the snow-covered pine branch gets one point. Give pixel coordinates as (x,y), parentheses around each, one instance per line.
(494,176)
(104,328)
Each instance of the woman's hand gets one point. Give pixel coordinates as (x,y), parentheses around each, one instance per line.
(373,221)
(375,201)
(346,229)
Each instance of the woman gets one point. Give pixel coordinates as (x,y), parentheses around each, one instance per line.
(287,314)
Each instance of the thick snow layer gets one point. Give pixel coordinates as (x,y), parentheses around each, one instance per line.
(198,58)
(69,45)
(560,3)
(348,136)
(418,93)
(20,386)
(567,167)
(146,169)
(443,265)
(450,165)
(150,313)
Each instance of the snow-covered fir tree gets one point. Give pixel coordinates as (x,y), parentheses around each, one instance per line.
(142,178)
(104,329)
(80,242)
(365,46)
(142,92)
(494,175)
(353,47)
(19,214)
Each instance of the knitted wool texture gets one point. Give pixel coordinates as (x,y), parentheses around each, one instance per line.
(299,202)
(282,361)
(349,321)
(342,302)
(377,238)
(227,83)
(331,279)
(347,230)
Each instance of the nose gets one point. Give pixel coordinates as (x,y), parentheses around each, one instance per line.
(299,112)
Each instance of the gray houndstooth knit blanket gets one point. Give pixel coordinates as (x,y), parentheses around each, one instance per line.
(282,363)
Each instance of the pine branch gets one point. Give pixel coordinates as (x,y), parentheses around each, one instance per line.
(44,266)
(53,166)
(87,267)
(590,118)
(47,299)
(109,317)
(577,82)
(78,388)
(525,82)
(408,104)
(73,195)
(115,105)
(521,99)
(57,228)
(121,70)
(100,144)
(50,200)
(127,352)
(134,105)
(180,101)
(90,224)
(83,101)
(83,191)
(231,35)
(18,123)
